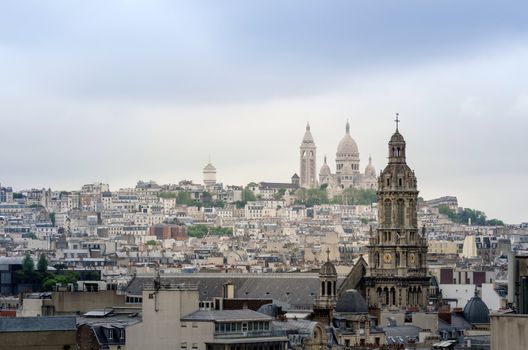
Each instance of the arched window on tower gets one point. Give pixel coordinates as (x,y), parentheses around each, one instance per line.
(398,151)
(400,211)
(387,212)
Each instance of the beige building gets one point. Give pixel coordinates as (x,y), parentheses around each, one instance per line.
(509,331)
(172,320)
(443,247)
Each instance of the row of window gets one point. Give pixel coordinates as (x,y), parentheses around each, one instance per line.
(133,300)
(233,327)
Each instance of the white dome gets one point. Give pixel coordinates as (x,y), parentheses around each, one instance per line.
(325,169)
(369,170)
(347,145)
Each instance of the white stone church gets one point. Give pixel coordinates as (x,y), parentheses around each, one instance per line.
(347,173)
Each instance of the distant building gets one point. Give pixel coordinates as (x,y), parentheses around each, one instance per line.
(209,175)
(6,194)
(449,201)
(8,268)
(347,174)
(171,318)
(164,231)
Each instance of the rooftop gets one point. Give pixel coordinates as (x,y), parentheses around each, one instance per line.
(37,324)
(226,316)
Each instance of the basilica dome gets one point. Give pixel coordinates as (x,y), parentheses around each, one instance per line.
(347,145)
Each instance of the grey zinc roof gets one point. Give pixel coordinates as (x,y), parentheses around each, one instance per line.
(37,324)
(402,331)
(226,315)
(298,290)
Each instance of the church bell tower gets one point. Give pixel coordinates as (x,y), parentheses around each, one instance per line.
(308,160)
(397,272)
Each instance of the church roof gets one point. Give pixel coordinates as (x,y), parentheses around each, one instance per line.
(397,137)
(351,302)
(347,145)
(328,269)
(476,311)
(294,290)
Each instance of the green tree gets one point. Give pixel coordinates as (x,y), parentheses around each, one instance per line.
(184,198)
(151,242)
(248,195)
(197,231)
(207,199)
(279,194)
(167,195)
(52,218)
(356,196)
(465,215)
(30,235)
(28,265)
(42,264)
(48,284)
(221,231)
(93,276)
(311,197)
(67,277)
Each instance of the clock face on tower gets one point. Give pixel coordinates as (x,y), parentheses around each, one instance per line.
(412,258)
(387,258)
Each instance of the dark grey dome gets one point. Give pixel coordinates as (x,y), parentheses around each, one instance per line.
(476,311)
(328,269)
(397,137)
(351,302)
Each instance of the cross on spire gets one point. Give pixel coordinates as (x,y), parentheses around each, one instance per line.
(397,120)
(327,254)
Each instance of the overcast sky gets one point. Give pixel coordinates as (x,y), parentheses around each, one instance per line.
(118,91)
